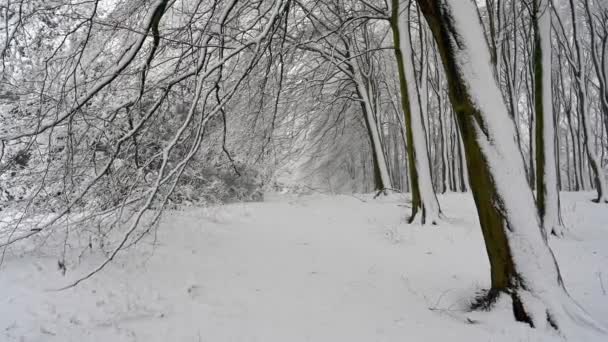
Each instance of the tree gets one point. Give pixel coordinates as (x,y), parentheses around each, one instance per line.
(344,39)
(424,199)
(547,194)
(122,98)
(579,70)
(522,264)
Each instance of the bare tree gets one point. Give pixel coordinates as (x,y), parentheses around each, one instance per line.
(424,199)
(505,204)
(547,192)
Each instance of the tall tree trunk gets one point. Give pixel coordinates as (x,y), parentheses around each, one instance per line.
(396,165)
(443,144)
(547,194)
(568,174)
(555,106)
(522,263)
(377,180)
(424,199)
(382,179)
(462,162)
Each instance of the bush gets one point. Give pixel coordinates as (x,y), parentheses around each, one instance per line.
(218,185)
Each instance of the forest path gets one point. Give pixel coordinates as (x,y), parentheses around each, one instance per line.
(310,268)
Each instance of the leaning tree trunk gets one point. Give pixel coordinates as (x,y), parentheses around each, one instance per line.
(424,199)
(547,194)
(378,183)
(380,157)
(522,264)
(382,180)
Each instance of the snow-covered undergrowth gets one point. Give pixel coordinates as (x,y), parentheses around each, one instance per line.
(309,268)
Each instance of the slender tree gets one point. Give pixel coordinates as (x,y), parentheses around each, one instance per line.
(547,194)
(424,199)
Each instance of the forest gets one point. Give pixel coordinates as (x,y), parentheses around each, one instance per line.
(315,170)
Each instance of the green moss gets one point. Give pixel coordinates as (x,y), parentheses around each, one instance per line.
(494,224)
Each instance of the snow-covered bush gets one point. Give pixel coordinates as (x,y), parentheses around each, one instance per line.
(217,185)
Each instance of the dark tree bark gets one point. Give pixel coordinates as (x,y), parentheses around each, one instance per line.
(547,194)
(522,264)
(424,200)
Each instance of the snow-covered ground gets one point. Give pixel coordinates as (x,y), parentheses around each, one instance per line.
(310,268)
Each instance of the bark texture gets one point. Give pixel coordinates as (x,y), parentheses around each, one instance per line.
(523,266)
(547,194)
(424,200)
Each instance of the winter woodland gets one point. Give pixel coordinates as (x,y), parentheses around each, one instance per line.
(314,170)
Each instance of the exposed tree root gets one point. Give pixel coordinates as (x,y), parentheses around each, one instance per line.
(557,311)
(485,300)
(423,217)
(558,230)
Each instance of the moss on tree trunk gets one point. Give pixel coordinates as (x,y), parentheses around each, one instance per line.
(405,105)
(531,287)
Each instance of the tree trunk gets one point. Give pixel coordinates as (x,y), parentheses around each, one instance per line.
(547,194)
(424,199)
(522,264)
(382,180)
(377,180)
(463,165)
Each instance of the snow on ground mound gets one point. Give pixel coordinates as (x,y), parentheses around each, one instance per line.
(311,268)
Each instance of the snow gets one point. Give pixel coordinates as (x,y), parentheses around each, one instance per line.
(550,219)
(121,64)
(295,268)
(541,291)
